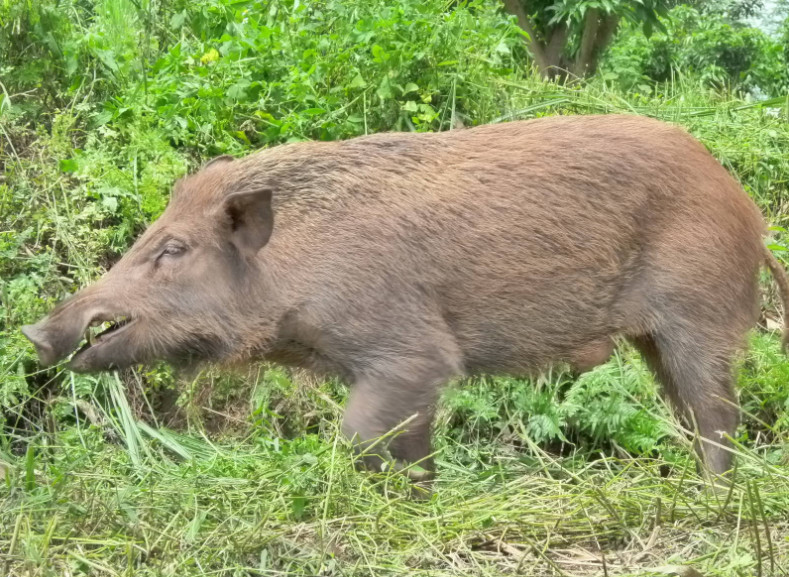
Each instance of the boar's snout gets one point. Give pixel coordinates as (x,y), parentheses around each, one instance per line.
(37,334)
(56,336)
(59,334)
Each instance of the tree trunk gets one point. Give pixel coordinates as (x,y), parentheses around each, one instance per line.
(554,53)
(515,8)
(547,55)
(606,35)
(597,34)
(548,50)
(585,54)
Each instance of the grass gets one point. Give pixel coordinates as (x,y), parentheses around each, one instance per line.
(144,473)
(111,495)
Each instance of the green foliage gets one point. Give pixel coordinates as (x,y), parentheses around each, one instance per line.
(764,394)
(258,72)
(646,14)
(347,69)
(52,49)
(717,50)
(616,402)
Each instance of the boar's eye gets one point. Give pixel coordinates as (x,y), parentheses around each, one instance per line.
(170,250)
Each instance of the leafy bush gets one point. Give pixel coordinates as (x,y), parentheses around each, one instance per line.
(614,403)
(256,72)
(54,50)
(279,71)
(708,46)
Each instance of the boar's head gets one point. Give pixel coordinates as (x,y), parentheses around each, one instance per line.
(181,293)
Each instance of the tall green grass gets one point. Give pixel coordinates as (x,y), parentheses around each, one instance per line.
(118,497)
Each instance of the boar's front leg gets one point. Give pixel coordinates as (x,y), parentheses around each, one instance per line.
(390,411)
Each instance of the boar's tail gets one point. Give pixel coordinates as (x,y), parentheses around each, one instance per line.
(779,275)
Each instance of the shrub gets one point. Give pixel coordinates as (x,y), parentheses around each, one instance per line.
(708,46)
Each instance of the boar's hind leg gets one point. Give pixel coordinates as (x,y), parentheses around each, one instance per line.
(696,375)
(390,412)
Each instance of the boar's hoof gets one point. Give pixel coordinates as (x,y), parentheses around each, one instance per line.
(421,479)
(420,476)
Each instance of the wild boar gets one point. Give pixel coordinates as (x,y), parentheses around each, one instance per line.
(401,261)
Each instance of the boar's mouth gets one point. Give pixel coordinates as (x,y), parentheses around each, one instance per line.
(94,339)
(104,347)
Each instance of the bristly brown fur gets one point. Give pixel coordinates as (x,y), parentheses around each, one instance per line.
(400,261)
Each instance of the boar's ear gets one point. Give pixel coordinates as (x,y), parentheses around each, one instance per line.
(251,219)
